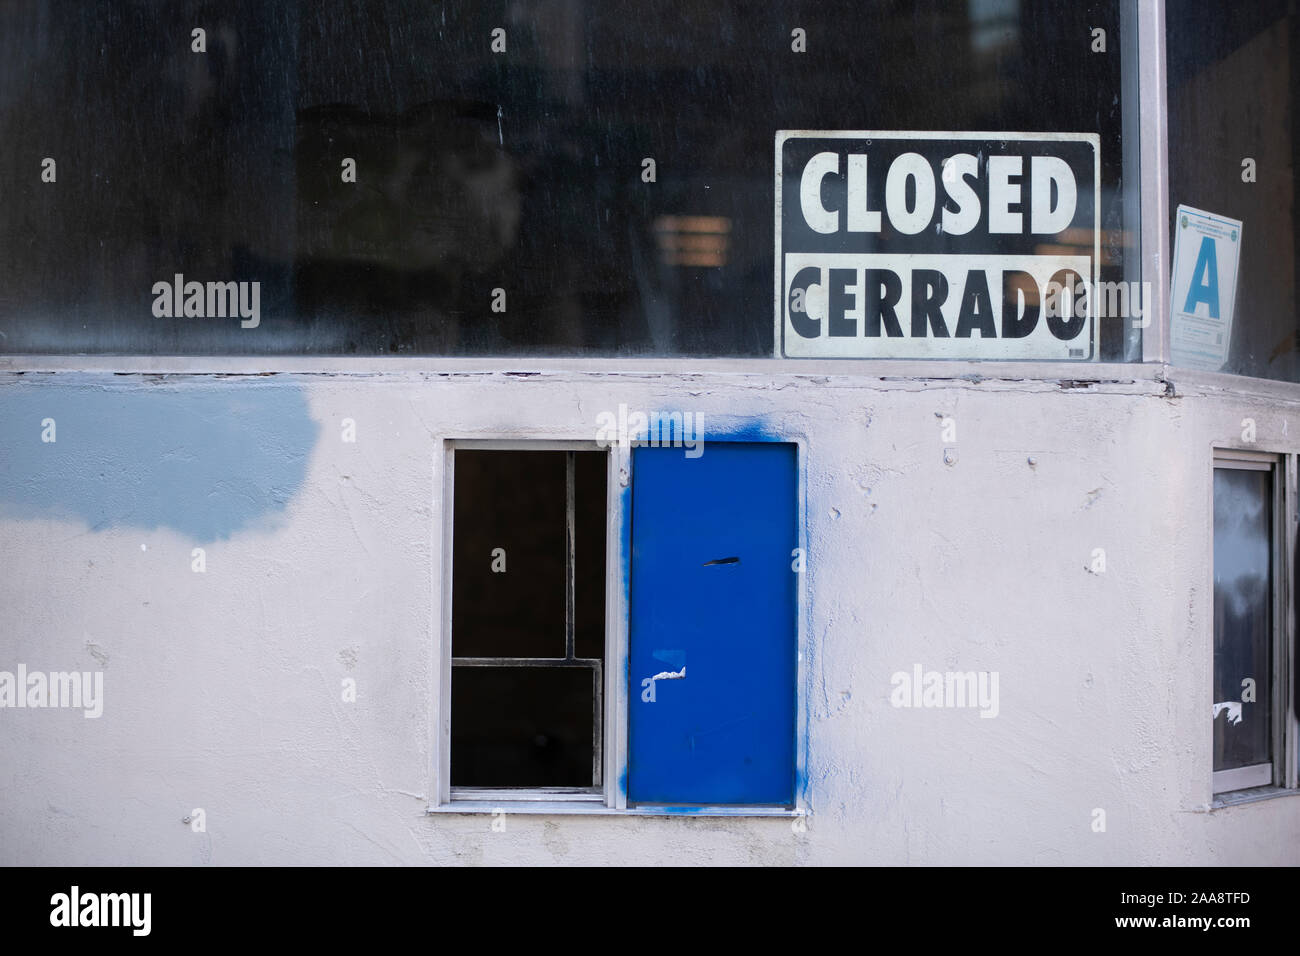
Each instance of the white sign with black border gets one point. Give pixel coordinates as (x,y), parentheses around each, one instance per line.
(954,245)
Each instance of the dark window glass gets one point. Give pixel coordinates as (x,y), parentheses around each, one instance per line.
(1233,78)
(476,171)
(508,554)
(528,618)
(1243,618)
(589,555)
(522,726)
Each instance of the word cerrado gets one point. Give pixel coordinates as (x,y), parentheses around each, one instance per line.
(859,300)
(922,245)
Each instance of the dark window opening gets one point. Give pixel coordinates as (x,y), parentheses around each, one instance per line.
(528,618)
(1243,626)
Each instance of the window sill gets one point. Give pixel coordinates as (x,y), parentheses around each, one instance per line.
(1235,798)
(556,807)
(971,370)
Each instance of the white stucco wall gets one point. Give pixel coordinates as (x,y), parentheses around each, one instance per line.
(222,689)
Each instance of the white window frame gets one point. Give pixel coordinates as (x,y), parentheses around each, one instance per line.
(1279,773)
(612,795)
(612,737)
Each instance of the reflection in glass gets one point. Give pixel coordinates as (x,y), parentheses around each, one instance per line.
(1243,597)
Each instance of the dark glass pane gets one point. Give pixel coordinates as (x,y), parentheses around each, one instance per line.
(1243,596)
(1233,77)
(589,555)
(477,170)
(522,726)
(508,579)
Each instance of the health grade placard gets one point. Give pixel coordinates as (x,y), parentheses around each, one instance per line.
(937,245)
(1203,288)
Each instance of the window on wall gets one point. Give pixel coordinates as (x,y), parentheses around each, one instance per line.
(540,177)
(686,694)
(1249,643)
(528,620)
(1234,153)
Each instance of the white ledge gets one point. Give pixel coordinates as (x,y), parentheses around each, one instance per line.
(598,807)
(1235,798)
(970,369)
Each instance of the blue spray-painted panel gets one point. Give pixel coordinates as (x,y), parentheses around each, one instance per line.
(713,591)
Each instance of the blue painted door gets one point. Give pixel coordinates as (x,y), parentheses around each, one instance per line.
(713,593)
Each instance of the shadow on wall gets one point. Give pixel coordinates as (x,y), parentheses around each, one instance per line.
(206,461)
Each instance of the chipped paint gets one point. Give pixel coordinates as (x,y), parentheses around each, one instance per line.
(670,675)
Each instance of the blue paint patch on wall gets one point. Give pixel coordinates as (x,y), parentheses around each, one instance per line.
(753,429)
(205,460)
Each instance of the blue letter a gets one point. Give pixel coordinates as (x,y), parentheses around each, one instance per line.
(1205,280)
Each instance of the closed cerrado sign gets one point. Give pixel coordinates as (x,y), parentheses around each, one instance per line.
(936,245)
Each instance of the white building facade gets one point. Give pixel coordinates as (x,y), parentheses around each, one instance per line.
(1038,609)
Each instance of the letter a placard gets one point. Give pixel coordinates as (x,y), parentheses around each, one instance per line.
(1207,250)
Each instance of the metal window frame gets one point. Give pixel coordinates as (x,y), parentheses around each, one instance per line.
(1281,770)
(608,758)
(1153,168)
